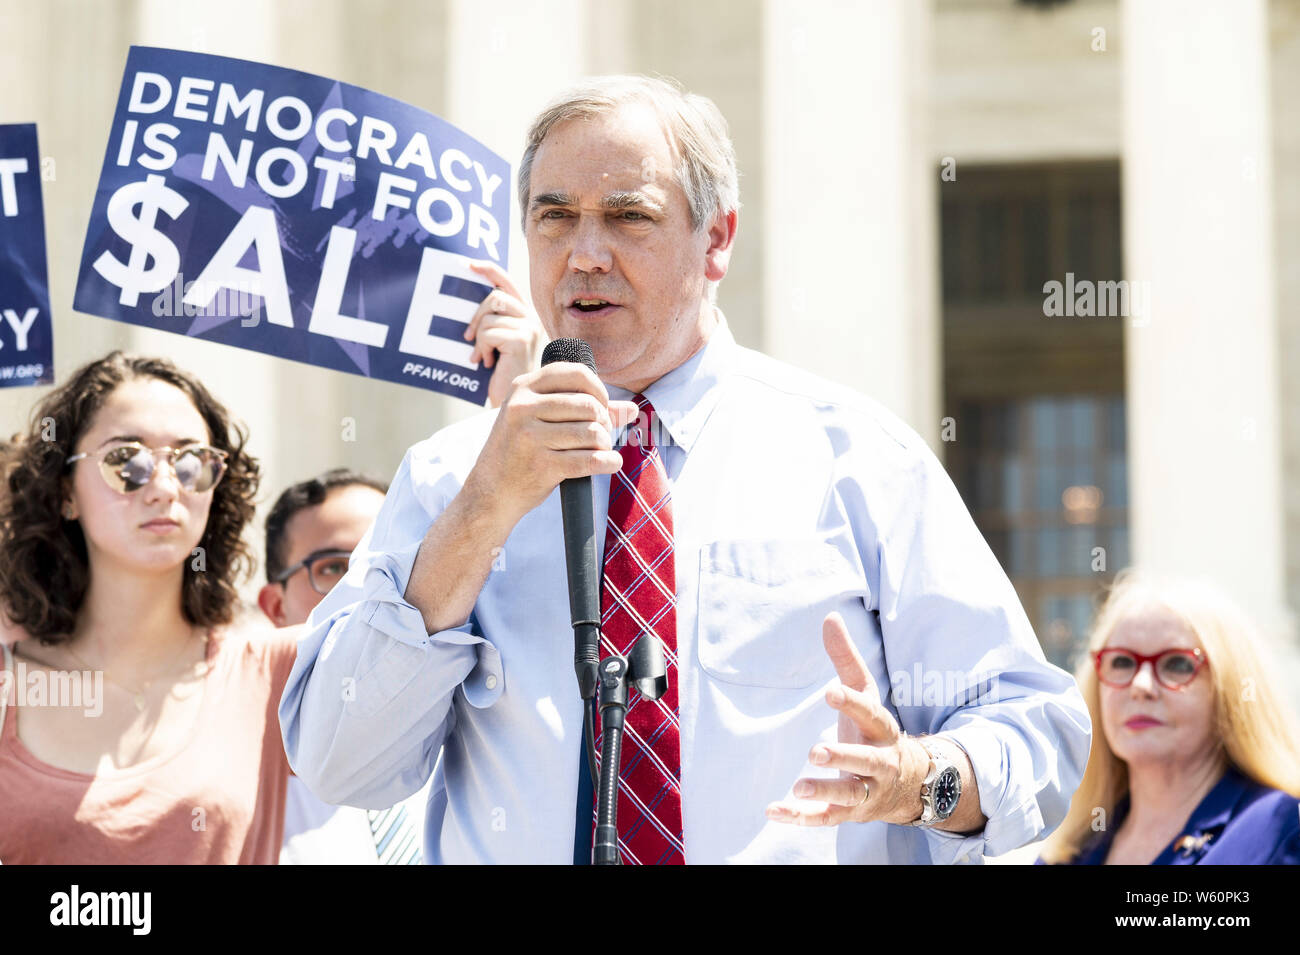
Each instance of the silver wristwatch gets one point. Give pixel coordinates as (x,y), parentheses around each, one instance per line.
(940,790)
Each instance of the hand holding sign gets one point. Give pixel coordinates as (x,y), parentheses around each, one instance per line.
(506,332)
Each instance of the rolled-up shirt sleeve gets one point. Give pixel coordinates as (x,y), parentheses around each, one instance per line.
(372,695)
(962,656)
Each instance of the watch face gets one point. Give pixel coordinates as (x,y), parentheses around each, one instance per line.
(946,790)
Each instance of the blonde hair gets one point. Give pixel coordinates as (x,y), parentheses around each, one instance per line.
(1258,732)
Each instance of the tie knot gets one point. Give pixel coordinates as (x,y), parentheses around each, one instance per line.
(641,432)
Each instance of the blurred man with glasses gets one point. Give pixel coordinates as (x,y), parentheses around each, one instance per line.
(310,534)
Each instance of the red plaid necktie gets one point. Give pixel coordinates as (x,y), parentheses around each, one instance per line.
(639,594)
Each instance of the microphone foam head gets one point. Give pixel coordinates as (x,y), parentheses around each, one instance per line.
(569,349)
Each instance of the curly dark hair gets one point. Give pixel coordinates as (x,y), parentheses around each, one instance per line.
(44,569)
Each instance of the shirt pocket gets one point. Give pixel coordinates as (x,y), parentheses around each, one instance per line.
(761,607)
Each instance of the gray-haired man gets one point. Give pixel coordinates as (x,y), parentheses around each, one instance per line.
(792,543)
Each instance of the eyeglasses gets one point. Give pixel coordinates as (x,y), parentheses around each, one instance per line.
(128,467)
(325,568)
(1174,669)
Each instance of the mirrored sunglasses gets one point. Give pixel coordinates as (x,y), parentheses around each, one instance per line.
(130,466)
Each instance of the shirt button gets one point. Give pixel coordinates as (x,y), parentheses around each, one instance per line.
(490,682)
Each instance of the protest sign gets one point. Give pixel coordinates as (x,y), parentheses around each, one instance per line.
(26,331)
(297,216)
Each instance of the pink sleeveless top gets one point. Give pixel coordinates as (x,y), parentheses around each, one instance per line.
(219,798)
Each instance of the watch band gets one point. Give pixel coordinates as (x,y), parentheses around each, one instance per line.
(939,764)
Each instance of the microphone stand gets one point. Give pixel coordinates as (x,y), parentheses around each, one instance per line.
(646,670)
(613,707)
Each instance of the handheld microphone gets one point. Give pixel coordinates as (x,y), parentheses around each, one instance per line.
(580,545)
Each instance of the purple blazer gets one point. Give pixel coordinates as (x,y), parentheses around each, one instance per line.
(1239,822)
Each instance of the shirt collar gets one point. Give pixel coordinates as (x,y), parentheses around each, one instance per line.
(684,398)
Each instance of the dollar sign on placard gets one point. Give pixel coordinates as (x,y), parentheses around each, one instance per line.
(146,241)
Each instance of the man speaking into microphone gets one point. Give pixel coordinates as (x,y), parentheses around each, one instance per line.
(850,675)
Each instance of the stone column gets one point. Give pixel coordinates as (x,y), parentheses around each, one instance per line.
(851,279)
(1202,375)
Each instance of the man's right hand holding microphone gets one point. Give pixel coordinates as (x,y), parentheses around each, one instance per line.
(554,422)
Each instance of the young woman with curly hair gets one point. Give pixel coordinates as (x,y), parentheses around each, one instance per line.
(120,549)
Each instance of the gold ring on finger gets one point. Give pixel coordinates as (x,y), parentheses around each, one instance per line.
(866,792)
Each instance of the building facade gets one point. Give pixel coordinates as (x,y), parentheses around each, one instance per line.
(1061,240)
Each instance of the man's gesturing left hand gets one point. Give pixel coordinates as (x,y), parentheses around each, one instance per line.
(871,750)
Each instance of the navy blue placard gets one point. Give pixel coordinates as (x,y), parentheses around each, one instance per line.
(296,216)
(26,330)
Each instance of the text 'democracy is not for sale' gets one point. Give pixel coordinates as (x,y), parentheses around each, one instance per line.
(293,215)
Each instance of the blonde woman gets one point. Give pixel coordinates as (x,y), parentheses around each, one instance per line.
(1195,756)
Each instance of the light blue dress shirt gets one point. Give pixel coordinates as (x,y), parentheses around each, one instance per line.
(791,497)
